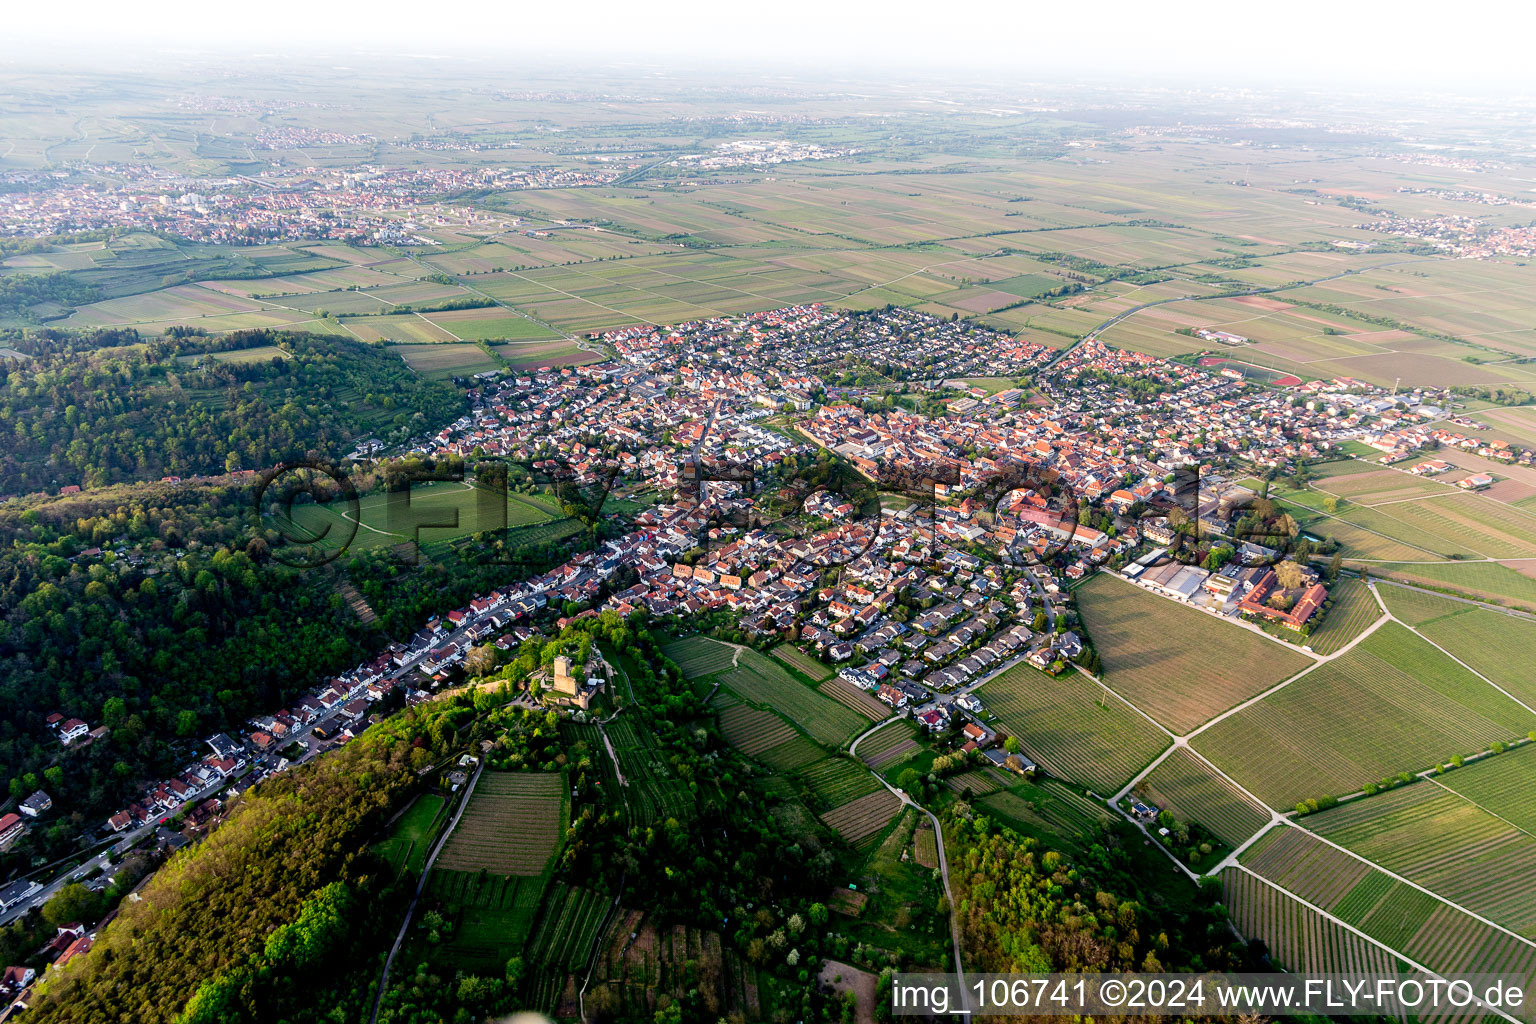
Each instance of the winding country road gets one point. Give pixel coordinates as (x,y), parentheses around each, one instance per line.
(938,835)
(421,886)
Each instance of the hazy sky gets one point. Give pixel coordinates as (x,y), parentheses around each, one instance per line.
(1474,43)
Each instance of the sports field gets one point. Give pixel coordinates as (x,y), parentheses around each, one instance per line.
(1072,727)
(1179,665)
(1391,704)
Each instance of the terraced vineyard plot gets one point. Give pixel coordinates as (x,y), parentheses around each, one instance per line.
(803,663)
(1072,728)
(753,730)
(861,820)
(791,754)
(1494,644)
(855,699)
(512,825)
(837,780)
(639,757)
(1179,665)
(1391,704)
(1455,943)
(1500,785)
(1472,520)
(638,960)
(1440,840)
(1186,786)
(1417,607)
(762,681)
(568,931)
(1311,869)
(977,782)
(700,656)
(1299,938)
(889,744)
(495,915)
(1480,579)
(1353,611)
(653,800)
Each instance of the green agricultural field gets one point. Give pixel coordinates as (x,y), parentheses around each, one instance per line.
(900,897)
(406,847)
(1488,580)
(1072,727)
(860,702)
(1179,665)
(1492,643)
(1416,607)
(1048,808)
(859,822)
(570,925)
(1353,611)
(1442,841)
(1299,862)
(1500,785)
(893,743)
(1391,704)
(531,355)
(492,915)
(1458,523)
(1189,788)
(435,512)
(492,324)
(1299,938)
(440,361)
(405,328)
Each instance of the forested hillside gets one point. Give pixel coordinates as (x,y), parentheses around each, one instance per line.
(293,853)
(109,406)
(181,625)
(286,911)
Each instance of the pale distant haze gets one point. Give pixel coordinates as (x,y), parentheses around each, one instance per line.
(1475,45)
